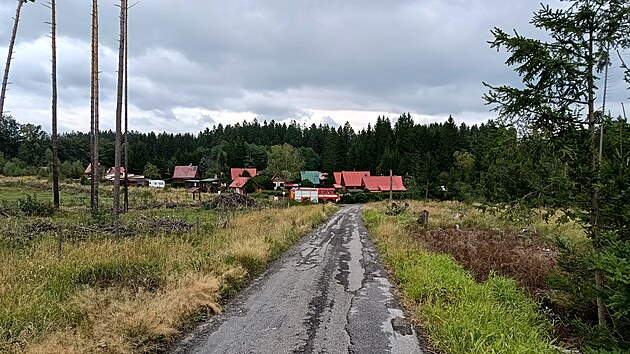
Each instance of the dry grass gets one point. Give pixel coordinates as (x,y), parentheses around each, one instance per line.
(135,295)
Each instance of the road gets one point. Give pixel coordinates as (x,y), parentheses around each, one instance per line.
(327,294)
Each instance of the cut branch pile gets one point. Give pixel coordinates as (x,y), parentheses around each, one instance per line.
(40,226)
(231,201)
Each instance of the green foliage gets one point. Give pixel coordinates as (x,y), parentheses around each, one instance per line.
(151,171)
(31,206)
(284,161)
(264,181)
(307,183)
(250,187)
(459,314)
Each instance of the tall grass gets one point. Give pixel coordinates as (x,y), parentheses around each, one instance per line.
(458,314)
(137,294)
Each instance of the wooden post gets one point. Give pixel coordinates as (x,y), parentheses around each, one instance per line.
(391,187)
(59,241)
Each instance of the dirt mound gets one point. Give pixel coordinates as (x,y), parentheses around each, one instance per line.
(231,201)
(525,257)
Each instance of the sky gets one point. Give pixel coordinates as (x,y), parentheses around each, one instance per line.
(197,63)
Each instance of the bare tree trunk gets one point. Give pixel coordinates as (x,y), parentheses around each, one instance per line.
(119,104)
(95,176)
(5,78)
(126,201)
(54,138)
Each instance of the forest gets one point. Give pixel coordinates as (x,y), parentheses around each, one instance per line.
(491,162)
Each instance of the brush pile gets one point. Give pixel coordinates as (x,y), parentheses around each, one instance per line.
(40,227)
(231,201)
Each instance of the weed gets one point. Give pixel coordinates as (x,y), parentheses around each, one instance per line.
(460,315)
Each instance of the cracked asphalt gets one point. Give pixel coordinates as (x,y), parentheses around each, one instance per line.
(327,294)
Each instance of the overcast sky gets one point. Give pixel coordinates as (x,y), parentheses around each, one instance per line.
(197,63)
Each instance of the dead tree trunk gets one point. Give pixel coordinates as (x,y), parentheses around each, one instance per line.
(54,138)
(94,100)
(126,152)
(119,104)
(5,78)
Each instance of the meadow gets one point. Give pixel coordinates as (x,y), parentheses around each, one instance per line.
(171,268)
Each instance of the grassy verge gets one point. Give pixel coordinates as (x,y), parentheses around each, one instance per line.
(459,314)
(136,295)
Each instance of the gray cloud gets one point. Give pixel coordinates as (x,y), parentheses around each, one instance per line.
(276,59)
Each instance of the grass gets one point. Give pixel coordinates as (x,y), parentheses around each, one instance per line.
(471,216)
(458,313)
(135,295)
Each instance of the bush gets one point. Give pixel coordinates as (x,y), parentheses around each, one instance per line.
(32,207)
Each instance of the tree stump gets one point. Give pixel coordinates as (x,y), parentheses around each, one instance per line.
(423,219)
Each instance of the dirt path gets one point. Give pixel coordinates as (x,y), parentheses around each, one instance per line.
(327,294)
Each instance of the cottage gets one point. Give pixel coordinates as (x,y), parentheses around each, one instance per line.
(278,182)
(238,185)
(183,173)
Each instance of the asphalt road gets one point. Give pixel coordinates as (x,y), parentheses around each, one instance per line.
(327,294)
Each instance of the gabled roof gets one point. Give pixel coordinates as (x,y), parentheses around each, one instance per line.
(312,176)
(239,182)
(237,172)
(337,177)
(382,183)
(185,172)
(353,178)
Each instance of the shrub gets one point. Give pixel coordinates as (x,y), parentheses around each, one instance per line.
(32,207)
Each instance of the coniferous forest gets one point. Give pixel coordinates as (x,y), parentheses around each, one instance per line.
(488,162)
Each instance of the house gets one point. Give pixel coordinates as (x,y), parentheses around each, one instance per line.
(312,176)
(109,175)
(238,172)
(238,185)
(278,182)
(350,180)
(382,184)
(182,173)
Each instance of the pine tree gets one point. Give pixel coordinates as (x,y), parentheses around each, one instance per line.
(559,78)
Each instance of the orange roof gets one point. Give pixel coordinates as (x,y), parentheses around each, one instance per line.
(185,172)
(382,183)
(354,178)
(238,172)
(239,182)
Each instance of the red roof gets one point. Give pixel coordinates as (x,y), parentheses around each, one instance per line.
(88,170)
(337,177)
(354,178)
(113,170)
(239,182)
(185,172)
(381,183)
(238,172)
